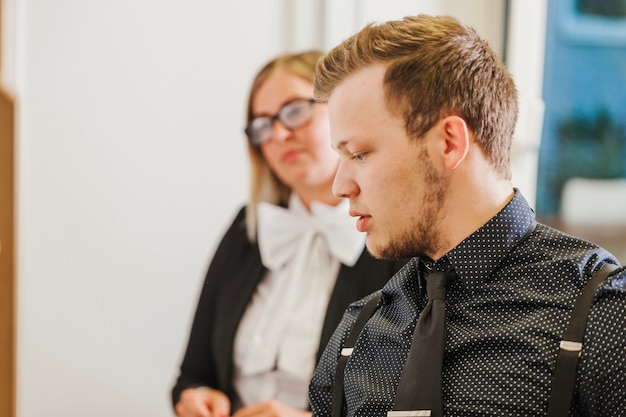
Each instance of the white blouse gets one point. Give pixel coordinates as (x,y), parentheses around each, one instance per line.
(278,336)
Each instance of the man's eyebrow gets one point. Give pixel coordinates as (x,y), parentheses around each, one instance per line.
(341,145)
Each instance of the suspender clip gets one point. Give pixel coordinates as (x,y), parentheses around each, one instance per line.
(571,346)
(412,413)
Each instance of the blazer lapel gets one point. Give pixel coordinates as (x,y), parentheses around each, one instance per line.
(235,293)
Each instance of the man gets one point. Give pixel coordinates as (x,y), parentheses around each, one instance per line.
(422,114)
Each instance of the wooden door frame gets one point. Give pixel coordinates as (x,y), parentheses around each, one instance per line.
(7,250)
(7,259)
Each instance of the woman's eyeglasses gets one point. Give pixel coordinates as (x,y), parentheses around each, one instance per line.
(292,115)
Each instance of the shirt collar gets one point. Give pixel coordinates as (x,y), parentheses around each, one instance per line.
(478,256)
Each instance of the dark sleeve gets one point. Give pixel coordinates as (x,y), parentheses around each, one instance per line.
(321,384)
(367,276)
(198,367)
(602,371)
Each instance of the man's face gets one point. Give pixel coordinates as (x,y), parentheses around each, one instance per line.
(394,190)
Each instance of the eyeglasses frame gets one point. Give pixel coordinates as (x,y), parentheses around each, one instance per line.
(273,118)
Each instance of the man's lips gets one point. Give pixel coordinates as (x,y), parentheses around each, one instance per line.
(362,221)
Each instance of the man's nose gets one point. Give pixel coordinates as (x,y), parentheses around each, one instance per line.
(343,185)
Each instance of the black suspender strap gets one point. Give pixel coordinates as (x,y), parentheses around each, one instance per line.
(346,351)
(571,347)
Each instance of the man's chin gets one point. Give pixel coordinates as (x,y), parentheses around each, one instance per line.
(372,246)
(377,249)
(390,249)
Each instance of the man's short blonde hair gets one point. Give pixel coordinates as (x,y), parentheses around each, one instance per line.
(435,67)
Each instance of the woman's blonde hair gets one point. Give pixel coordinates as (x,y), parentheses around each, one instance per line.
(264,184)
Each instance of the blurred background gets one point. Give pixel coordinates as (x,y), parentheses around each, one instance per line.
(123,159)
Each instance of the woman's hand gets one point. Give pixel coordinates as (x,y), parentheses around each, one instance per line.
(271,408)
(202,402)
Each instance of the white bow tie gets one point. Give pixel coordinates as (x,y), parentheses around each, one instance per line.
(280,232)
(295,246)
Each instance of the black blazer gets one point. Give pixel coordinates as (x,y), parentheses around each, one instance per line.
(232,277)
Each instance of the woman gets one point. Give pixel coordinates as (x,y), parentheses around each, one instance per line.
(286,269)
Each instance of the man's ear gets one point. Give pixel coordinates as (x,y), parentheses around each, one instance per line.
(456,141)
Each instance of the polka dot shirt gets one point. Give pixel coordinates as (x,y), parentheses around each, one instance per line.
(505,315)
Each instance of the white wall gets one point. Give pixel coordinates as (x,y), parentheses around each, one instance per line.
(131,163)
(345,17)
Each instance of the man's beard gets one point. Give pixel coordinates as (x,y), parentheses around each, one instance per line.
(423,235)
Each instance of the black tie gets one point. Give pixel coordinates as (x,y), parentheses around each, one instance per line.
(419,390)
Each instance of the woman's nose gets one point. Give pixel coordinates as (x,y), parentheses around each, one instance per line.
(279,131)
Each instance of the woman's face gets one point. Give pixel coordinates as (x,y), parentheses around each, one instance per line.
(303,158)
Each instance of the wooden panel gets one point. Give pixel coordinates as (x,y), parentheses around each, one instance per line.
(7,259)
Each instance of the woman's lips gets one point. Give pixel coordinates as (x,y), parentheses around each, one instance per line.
(291,155)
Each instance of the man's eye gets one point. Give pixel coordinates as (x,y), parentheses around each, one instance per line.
(359,156)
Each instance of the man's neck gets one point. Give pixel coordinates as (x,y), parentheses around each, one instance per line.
(470,207)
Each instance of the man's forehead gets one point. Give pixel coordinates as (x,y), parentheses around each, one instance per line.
(357,99)
(366,81)
(358,92)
